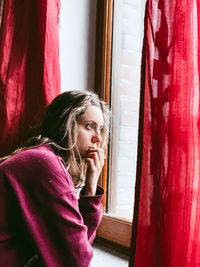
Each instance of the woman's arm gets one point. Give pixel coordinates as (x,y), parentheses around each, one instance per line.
(60,227)
(92,211)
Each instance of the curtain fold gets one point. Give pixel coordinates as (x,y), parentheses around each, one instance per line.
(166,225)
(29,66)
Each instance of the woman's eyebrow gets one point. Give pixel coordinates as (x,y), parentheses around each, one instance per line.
(90,121)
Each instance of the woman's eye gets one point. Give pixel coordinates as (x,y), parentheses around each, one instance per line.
(89,126)
(101,130)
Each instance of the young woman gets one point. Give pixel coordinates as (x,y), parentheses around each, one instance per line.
(43,222)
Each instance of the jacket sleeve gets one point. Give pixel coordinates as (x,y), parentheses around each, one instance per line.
(60,226)
(92,211)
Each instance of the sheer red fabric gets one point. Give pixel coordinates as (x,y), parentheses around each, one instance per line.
(29,66)
(166,226)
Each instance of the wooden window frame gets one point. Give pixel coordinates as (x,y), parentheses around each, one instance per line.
(1,10)
(112,231)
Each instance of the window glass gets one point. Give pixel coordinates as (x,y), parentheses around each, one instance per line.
(125,90)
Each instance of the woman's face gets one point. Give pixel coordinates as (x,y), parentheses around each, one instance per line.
(90,126)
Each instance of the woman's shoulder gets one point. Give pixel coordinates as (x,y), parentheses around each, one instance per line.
(32,156)
(39,166)
(38,152)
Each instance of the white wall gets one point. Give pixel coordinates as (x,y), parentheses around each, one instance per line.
(77,44)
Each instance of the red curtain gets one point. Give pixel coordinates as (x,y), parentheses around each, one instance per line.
(29,66)
(166,225)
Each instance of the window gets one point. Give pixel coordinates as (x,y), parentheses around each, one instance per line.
(118,62)
(1,10)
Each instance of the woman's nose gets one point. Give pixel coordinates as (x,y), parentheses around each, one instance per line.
(97,138)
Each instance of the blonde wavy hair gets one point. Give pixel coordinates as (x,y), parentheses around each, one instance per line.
(59,129)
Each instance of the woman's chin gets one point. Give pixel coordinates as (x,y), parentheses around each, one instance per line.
(84,155)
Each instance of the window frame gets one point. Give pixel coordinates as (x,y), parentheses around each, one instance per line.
(113,230)
(1,10)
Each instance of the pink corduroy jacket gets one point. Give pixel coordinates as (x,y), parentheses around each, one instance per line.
(42,223)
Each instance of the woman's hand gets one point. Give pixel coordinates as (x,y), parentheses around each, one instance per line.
(95,159)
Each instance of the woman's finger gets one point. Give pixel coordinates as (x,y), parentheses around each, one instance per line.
(91,164)
(100,153)
(96,159)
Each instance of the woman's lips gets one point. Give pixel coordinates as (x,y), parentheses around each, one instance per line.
(91,148)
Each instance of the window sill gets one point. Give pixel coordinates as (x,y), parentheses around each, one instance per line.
(115,231)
